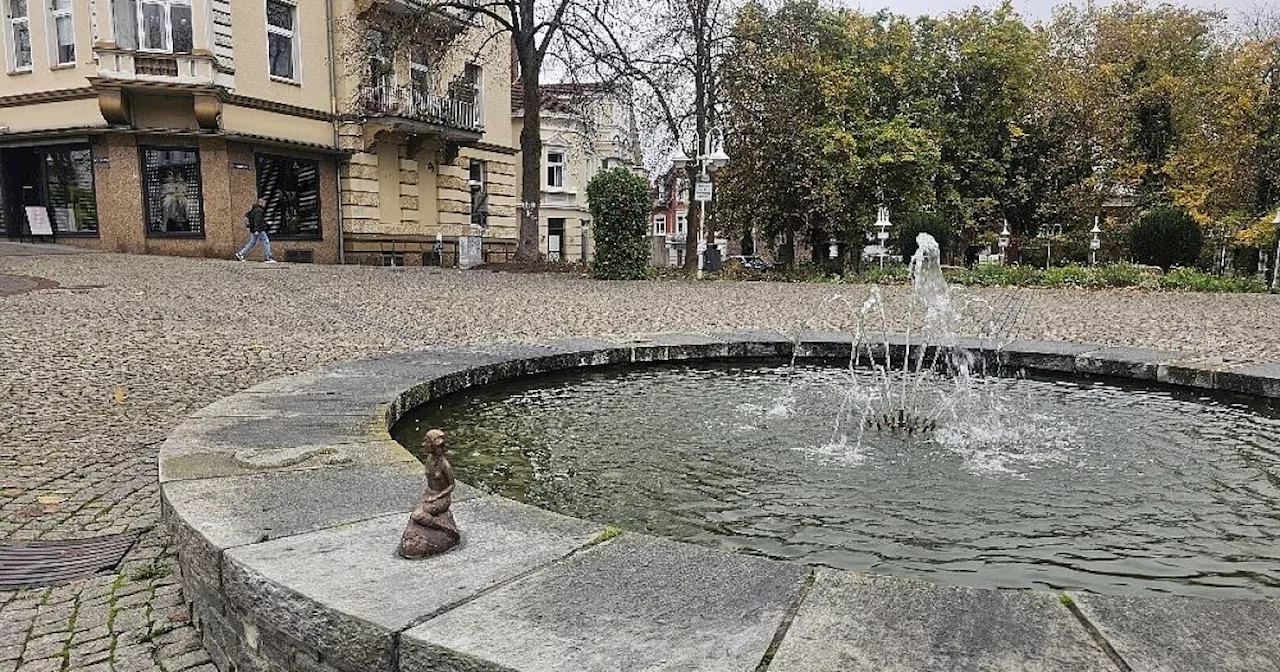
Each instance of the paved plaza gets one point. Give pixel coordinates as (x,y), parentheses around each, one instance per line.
(104,354)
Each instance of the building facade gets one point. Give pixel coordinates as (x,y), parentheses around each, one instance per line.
(586,128)
(670,220)
(151,126)
(424,113)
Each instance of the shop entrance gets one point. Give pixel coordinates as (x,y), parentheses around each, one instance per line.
(22,184)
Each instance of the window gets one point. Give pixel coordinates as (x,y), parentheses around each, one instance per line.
(555,168)
(165,25)
(64,44)
(73,206)
(124,19)
(420,76)
(659,225)
(171,191)
(682,223)
(20,34)
(292,188)
(381,73)
(281,57)
(479,195)
(474,77)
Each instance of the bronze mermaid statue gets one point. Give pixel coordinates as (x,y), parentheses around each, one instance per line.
(431,529)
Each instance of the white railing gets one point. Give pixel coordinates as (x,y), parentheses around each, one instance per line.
(421,106)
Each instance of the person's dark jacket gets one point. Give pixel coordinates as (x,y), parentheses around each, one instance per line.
(257,217)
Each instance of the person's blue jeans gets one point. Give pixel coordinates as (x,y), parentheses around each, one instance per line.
(253,240)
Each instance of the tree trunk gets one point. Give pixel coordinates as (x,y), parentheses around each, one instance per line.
(530,166)
(787,253)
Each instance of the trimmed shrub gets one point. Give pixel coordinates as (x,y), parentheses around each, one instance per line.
(1120,275)
(891,274)
(619,202)
(1166,237)
(921,222)
(1070,276)
(992,275)
(1199,281)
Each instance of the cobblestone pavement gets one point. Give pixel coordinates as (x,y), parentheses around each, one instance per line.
(96,371)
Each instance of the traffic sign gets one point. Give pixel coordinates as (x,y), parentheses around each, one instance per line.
(702,191)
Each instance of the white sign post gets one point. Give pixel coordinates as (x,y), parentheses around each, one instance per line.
(38,220)
(702,191)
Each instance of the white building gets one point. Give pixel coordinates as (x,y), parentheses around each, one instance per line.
(586,128)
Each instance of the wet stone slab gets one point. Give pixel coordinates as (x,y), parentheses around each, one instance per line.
(1043,355)
(232,446)
(1180,634)
(562,354)
(860,623)
(1258,379)
(240,510)
(634,603)
(345,592)
(1133,363)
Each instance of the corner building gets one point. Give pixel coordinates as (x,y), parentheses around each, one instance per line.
(151,126)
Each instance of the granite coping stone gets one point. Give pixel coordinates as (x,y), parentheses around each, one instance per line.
(1183,634)
(887,624)
(1043,355)
(287,501)
(346,592)
(205,447)
(1262,380)
(1133,363)
(634,603)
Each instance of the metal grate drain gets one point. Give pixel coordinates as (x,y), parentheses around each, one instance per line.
(45,563)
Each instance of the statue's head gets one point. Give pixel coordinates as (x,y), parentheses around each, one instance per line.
(434,441)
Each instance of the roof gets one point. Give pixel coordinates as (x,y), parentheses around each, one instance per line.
(564,98)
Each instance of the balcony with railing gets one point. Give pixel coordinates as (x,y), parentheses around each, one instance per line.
(422,112)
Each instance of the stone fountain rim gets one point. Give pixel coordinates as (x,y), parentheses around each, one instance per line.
(252,484)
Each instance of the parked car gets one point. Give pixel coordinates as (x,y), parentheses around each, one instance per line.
(748,261)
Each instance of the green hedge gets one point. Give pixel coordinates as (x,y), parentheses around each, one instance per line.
(1166,237)
(1111,275)
(916,223)
(619,202)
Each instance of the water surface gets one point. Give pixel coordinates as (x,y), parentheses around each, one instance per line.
(1079,484)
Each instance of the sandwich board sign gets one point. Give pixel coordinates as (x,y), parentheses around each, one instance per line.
(38,220)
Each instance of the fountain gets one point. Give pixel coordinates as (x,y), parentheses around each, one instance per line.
(906,457)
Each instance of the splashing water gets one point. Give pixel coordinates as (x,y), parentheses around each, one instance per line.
(925,385)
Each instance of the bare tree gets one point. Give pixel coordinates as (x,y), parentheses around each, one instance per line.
(670,53)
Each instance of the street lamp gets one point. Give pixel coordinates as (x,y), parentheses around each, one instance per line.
(709,162)
(1094,244)
(883,224)
(1004,242)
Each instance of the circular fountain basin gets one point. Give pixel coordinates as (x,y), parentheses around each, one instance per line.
(286,502)
(1041,483)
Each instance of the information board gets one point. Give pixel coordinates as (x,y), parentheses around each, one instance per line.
(702,191)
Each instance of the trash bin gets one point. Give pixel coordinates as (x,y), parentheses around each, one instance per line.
(713,262)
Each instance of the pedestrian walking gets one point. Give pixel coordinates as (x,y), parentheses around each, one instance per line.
(256,221)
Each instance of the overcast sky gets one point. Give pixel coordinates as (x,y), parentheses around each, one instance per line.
(1029,9)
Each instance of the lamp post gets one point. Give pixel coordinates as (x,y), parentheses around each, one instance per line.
(1094,244)
(709,162)
(1004,242)
(883,224)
